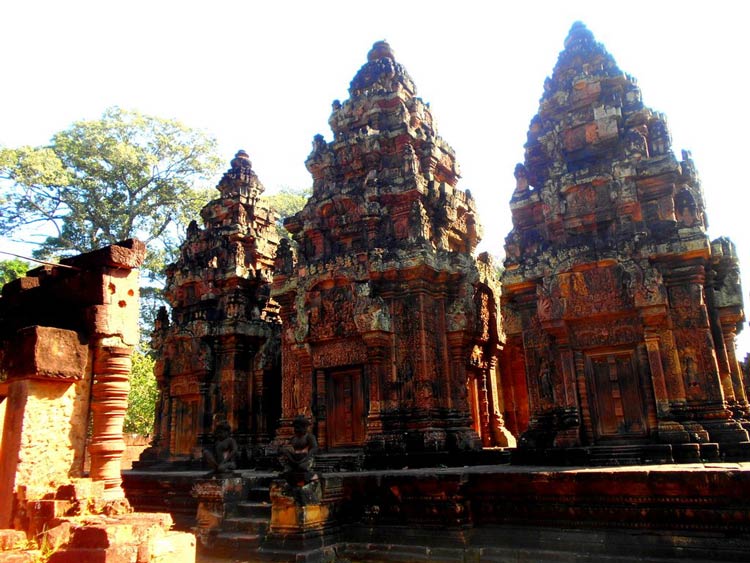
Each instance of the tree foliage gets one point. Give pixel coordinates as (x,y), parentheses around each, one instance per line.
(12,269)
(139,418)
(286,202)
(99,182)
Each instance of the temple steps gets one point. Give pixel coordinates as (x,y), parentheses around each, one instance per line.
(163,491)
(339,461)
(259,493)
(630,455)
(610,455)
(244,531)
(413,460)
(228,544)
(254,509)
(246,524)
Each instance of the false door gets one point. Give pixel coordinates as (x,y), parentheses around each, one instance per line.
(345,408)
(617,406)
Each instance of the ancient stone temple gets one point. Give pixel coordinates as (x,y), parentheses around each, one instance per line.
(390,336)
(218,353)
(615,301)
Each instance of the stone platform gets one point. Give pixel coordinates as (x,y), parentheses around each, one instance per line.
(512,513)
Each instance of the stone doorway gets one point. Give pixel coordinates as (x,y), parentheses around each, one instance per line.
(617,407)
(186,419)
(345,407)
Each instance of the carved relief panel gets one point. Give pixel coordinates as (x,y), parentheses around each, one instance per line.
(331,313)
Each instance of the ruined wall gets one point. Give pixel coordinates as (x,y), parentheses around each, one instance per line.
(66,334)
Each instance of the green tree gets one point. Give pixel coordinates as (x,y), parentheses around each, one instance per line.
(286,202)
(98,182)
(139,418)
(12,269)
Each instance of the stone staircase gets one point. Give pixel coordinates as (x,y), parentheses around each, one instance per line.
(243,532)
(604,456)
(339,461)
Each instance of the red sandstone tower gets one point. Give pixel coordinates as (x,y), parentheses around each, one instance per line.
(621,310)
(217,356)
(390,334)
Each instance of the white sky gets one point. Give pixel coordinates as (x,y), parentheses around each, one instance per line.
(262,76)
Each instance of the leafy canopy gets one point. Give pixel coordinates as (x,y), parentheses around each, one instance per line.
(139,418)
(286,202)
(12,269)
(99,182)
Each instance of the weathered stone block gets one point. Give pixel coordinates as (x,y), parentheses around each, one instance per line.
(80,490)
(128,254)
(11,539)
(287,517)
(53,537)
(171,548)
(19,285)
(115,554)
(48,509)
(20,556)
(101,535)
(43,438)
(217,498)
(47,352)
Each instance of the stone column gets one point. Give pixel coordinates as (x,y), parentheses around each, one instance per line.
(463,436)
(484,407)
(587,429)
(457,350)
(729,332)
(109,401)
(568,437)
(378,344)
(321,416)
(98,293)
(205,414)
(425,399)
(661,396)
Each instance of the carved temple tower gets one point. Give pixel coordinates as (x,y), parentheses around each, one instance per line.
(390,335)
(622,311)
(218,358)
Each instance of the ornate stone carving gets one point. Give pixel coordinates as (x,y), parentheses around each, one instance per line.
(385,246)
(608,257)
(221,317)
(222,457)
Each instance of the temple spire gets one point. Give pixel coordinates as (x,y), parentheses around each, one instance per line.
(381,73)
(386,237)
(240,179)
(607,267)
